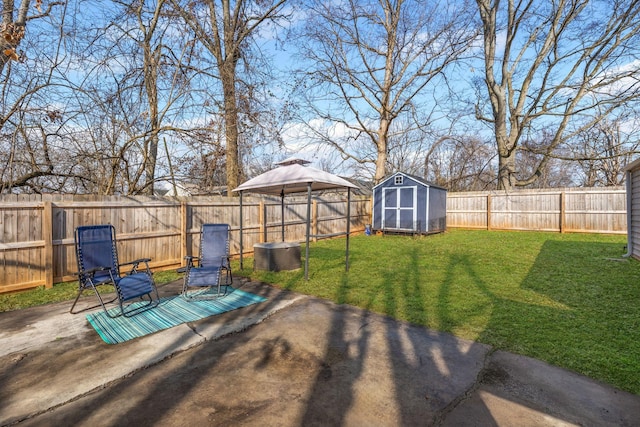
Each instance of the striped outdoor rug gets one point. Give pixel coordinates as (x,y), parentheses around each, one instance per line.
(168,313)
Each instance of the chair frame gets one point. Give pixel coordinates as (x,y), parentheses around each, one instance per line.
(125,284)
(216,268)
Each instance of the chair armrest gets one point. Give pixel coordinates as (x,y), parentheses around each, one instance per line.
(191,261)
(136,262)
(91,272)
(88,277)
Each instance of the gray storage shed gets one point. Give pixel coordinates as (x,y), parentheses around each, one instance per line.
(409,204)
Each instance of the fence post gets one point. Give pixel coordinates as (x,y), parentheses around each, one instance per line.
(184,235)
(262,221)
(562,211)
(314,220)
(47,235)
(489,211)
(370,213)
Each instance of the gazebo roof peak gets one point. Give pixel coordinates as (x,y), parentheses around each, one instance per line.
(293,161)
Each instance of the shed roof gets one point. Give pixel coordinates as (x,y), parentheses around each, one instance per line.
(632,165)
(291,176)
(414,177)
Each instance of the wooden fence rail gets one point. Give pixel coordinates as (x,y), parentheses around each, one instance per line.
(37,237)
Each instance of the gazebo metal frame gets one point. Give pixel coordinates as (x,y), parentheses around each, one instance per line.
(293,177)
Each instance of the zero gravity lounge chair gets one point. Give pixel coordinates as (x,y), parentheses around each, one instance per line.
(97,256)
(211,269)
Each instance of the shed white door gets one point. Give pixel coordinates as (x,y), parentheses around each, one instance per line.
(398,208)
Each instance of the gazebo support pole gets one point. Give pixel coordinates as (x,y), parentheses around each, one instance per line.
(348,226)
(282,211)
(241,262)
(306,254)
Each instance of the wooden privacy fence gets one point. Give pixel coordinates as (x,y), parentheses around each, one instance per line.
(580,210)
(37,236)
(37,246)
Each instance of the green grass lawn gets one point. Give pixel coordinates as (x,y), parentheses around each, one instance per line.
(568,299)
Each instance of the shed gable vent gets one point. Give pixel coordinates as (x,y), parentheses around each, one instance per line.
(398,180)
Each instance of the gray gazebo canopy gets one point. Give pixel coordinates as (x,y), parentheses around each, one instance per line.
(293,177)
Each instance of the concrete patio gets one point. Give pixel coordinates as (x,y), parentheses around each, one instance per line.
(292,360)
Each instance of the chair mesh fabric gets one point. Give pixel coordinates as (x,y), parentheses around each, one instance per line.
(214,246)
(204,276)
(134,286)
(212,260)
(96,249)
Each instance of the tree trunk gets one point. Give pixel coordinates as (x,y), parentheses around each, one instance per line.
(507,171)
(231,125)
(151,60)
(381,159)
(506,144)
(150,167)
(13,29)
(151,143)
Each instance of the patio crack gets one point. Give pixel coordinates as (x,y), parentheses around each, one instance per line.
(192,326)
(440,417)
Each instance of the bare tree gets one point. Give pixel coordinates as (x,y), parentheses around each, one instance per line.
(107,145)
(128,77)
(30,126)
(407,147)
(225,28)
(203,164)
(159,72)
(461,164)
(139,84)
(368,62)
(152,54)
(555,172)
(14,24)
(549,66)
(605,149)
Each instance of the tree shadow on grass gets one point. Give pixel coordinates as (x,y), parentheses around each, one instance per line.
(414,374)
(540,319)
(597,329)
